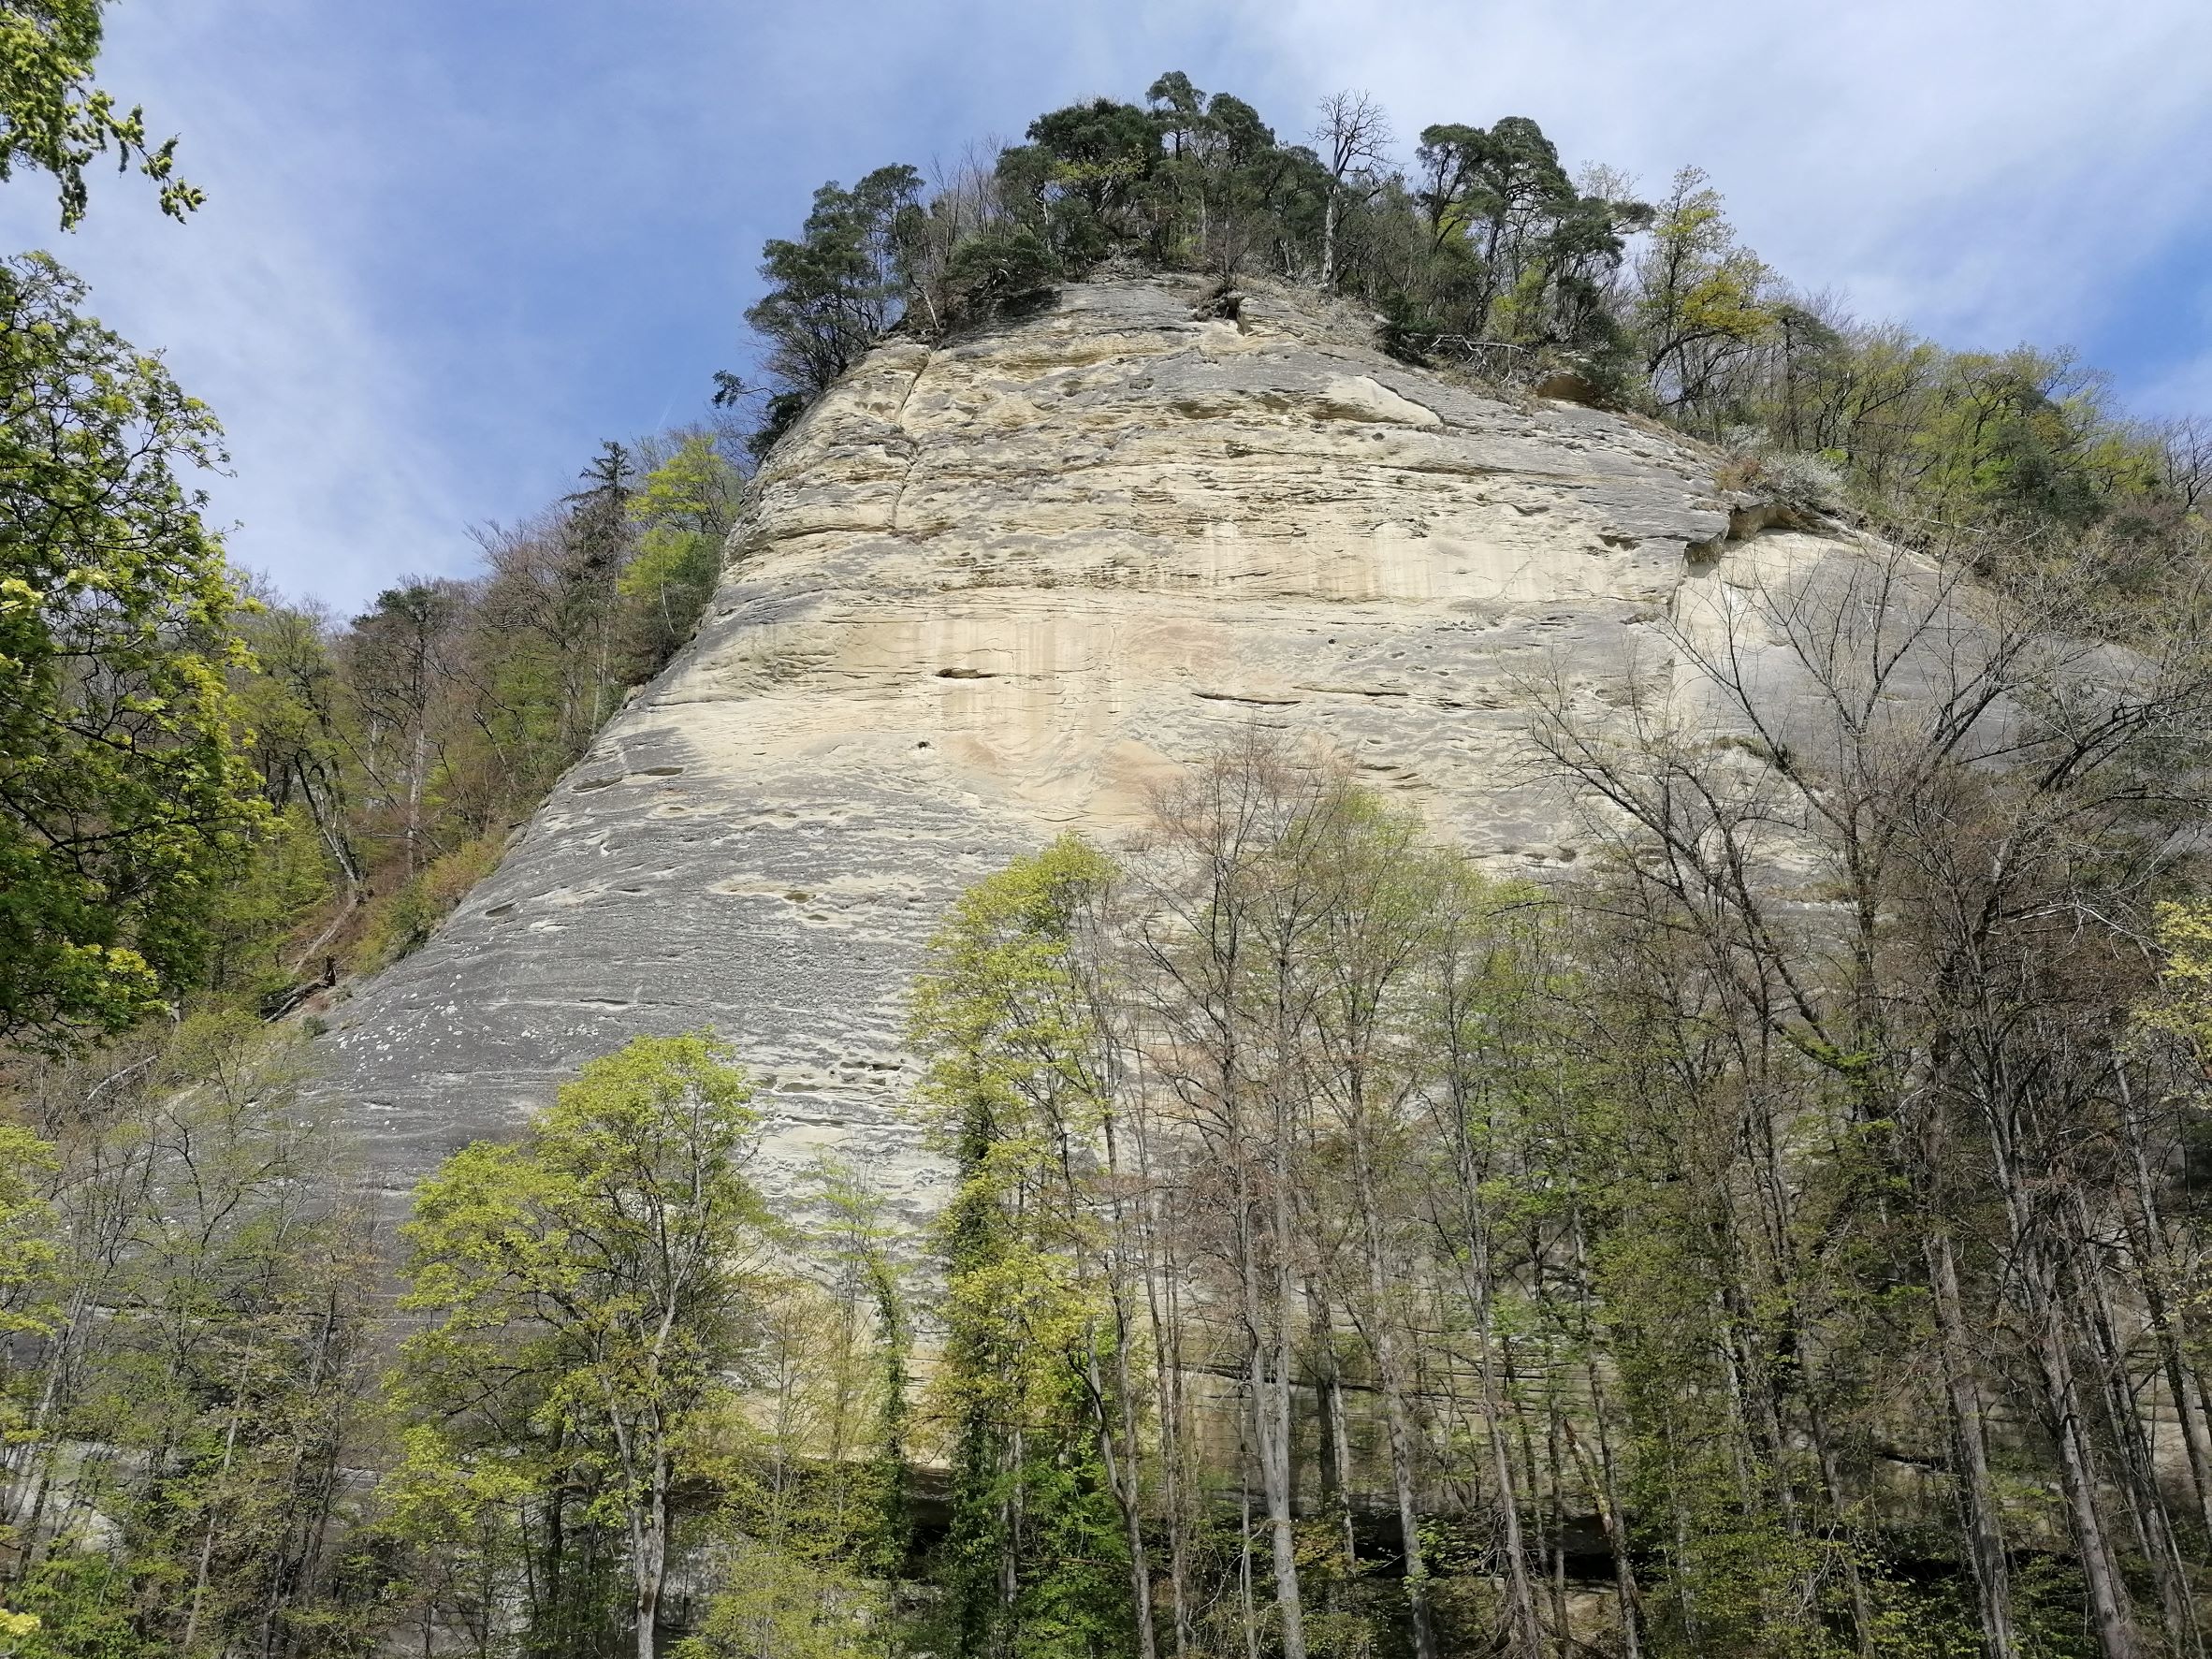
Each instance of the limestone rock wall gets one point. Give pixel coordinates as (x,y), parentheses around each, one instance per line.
(995,589)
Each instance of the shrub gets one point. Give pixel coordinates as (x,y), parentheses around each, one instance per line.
(403,921)
(1785,477)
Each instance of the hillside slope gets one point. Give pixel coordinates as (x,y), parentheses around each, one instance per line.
(993,590)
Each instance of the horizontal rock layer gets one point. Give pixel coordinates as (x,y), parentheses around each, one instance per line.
(997,588)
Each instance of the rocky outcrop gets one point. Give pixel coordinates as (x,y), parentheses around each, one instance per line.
(997,588)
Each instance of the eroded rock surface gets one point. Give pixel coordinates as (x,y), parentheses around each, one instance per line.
(995,590)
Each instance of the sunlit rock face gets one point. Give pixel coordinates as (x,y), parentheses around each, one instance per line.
(999,588)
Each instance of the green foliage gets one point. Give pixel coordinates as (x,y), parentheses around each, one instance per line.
(1703,294)
(1516,253)
(684,508)
(996,272)
(833,291)
(1035,1562)
(127,802)
(27,1253)
(777,1602)
(81,1600)
(403,921)
(287,874)
(54,120)
(591,1286)
(2012,437)
(804,1536)
(2185,937)
(452,1514)
(174,1457)
(1075,184)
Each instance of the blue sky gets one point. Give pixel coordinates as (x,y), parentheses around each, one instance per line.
(452,244)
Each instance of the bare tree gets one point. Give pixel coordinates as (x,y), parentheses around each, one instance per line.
(1354,137)
(2185,453)
(1912,826)
(1226,925)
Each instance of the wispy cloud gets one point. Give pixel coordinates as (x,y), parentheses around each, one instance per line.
(448,248)
(1986,166)
(260,307)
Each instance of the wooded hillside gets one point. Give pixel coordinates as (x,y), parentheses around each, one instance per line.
(1786,1234)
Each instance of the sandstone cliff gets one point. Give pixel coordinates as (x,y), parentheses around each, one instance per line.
(992,591)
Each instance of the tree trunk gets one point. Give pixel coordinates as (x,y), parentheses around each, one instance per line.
(207,1542)
(1382,1336)
(1333,1431)
(1167,1376)
(2152,1258)
(1521,1591)
(1614,1513)
(2108,1605)
(649,1544)
(1977,1492)
(1121,1479)
(1270,1432)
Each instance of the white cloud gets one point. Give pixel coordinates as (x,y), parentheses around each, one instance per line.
(2185,388)
(258,308)
(1986,167)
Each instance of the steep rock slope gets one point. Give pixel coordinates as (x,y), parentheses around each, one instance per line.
(995,589)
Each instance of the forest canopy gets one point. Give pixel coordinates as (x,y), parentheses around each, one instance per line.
(1479,250)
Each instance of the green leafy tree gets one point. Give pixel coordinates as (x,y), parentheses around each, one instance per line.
(1703,296)
(206,1336)
(799,1551)
(452,1515)
(833,292)
(2011,440)
(595,1281)
(124,795)
(1516,254)
(996,271)
(27,1252)
(1038,1561)
(1077,181)
(684,509)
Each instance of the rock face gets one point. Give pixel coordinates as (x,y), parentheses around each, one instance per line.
(995,590)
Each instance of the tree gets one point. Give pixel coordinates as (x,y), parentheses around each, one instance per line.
(1702,293)
(1368,959)
(1224,926)
(1516,256)
(1015,1097)
(123,797)
(395,669)
(27,1253)
(997,270)
(54,120)
(684,508)
(1983,851)
(1448,154)
(1354,134)
(606,1264)
(833,292)
(206,1336)
(1077,181)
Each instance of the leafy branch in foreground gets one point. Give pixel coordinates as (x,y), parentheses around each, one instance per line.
(54,120)
(124,798)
